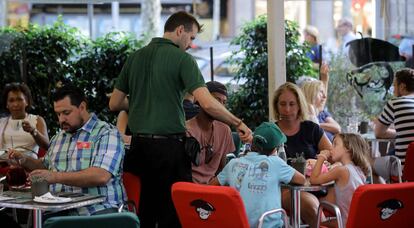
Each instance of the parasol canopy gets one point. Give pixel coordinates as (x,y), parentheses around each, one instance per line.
(367,50)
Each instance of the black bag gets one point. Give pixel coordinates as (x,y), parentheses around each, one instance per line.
(192,149)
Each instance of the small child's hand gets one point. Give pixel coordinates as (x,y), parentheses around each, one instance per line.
(326,153)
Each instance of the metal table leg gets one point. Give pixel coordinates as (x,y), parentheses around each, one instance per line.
(295,208)
(37,218)
(375,149)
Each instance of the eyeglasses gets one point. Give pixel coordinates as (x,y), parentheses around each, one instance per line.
(208,155)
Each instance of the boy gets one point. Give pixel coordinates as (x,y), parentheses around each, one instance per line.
(257,176)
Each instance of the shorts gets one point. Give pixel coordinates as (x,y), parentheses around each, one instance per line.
(387,166)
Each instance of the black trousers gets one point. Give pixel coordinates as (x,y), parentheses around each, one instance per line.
(159,163)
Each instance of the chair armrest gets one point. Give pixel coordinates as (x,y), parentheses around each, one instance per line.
(130,206)
(396,162)
(280,210)
(331,208)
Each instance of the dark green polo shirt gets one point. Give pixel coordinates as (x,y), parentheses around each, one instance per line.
(156,78)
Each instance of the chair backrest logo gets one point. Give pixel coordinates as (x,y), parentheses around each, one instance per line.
(389,207)
(202,208)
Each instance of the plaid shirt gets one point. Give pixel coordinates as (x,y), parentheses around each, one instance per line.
(95,144)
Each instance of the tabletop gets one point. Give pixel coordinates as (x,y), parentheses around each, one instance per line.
(308,187)
(23,200)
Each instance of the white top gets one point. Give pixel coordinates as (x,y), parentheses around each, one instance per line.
(344,194)
(13,135)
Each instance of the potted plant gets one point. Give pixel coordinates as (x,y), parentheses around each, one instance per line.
(298,163)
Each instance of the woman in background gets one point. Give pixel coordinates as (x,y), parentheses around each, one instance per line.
(315,95)
(21,130)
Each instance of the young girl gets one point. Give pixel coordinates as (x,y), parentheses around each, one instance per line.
(350,150)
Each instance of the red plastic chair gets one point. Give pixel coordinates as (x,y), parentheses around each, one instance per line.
(408,171)
(211,206)
(132,186)
(382,205)
(227,208)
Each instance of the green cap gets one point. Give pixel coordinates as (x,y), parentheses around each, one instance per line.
(268,136)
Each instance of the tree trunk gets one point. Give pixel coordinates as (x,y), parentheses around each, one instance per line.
(150,17)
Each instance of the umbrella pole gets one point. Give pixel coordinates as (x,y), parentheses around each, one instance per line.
(320,60)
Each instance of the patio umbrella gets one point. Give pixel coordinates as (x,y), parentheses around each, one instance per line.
(367,50)
(366,53)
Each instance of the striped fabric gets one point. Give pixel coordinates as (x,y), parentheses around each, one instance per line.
(96,144)
(400,111)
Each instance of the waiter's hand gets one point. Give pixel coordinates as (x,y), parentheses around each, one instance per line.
(245,133)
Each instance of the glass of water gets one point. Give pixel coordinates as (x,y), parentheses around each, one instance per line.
(352,126)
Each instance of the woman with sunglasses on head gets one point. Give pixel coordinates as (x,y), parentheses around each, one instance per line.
(21,130)
(303,136)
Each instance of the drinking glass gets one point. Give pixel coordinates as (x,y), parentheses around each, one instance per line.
(16,176)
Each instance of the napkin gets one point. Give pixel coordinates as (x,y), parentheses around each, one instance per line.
(5,198)
(309,167)
(50,198)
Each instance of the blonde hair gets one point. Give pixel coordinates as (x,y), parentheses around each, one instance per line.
(311,89)
(300,99)
(358,148)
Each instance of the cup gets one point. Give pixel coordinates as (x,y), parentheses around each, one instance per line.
(363,127)
(39,187)
(16,176)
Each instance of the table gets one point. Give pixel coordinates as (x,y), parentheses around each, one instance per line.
(375,153)
(23,200)
(295,198)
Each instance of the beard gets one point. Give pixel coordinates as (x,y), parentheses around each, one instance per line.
(72,128)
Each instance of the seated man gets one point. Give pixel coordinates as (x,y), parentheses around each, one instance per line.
(257,176)
(214,137)
(86,156)
(398,111)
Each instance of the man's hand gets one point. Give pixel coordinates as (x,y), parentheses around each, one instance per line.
(16,156)
(245,133)
(49,176)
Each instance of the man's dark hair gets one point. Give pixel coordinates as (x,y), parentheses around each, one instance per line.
(17,87)
(75,94)
(182,18)
(216,87)
(406,76)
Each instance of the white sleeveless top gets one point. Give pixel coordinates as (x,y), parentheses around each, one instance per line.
(344,194)
(13,135)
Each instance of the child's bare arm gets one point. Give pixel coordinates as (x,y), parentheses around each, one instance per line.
(298,178)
